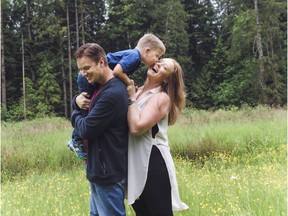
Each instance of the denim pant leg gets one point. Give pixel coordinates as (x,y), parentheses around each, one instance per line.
(93,201)
(107,199)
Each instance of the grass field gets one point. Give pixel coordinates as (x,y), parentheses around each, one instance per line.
(227,163)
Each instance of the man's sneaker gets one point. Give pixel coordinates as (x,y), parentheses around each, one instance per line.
(77,148)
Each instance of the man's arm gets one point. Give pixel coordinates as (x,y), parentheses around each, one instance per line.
(96,122)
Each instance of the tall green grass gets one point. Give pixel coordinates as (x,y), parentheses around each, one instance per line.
(227,163)
(35,145)
(239,132)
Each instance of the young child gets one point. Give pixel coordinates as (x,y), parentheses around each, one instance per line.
(123,63)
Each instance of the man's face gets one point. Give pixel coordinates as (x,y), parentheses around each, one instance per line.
(89,69)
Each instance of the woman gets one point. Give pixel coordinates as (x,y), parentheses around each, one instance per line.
(152,185)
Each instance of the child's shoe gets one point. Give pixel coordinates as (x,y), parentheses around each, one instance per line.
(77,147)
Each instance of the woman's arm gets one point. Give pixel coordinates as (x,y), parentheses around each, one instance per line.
(156,108)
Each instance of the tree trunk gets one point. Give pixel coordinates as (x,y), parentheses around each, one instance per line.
(128,39)
(28,3)
(82,22)
(259,48)
(28,19)
(77,24)
(69,54)
(23,78)
(3,76)
(64,81)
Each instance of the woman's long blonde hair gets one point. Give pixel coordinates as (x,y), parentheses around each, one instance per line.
(175,89)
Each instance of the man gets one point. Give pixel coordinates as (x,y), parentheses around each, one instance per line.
(105,131)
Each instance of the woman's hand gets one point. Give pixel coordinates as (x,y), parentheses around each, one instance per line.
(82,101)
(131,89)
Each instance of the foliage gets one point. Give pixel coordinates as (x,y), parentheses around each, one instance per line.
(49,91)
(244,49)
(202,28)
(215,43)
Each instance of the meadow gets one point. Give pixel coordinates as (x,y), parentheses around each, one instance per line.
(227,163)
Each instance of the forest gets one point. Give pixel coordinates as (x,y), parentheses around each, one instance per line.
(233,52)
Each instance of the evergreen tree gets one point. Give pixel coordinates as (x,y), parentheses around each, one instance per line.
(48,93)
(12,19)
(248,65)
(257,44)
(203,31)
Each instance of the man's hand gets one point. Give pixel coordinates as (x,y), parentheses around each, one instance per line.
(82,101)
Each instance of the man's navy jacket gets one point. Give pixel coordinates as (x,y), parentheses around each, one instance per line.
(105,127)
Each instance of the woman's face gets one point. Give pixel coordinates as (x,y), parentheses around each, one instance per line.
(161,70)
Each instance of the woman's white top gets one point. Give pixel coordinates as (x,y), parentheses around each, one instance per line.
(139,150)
